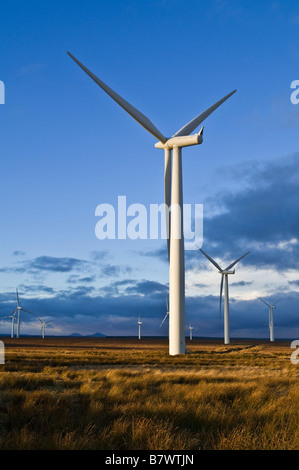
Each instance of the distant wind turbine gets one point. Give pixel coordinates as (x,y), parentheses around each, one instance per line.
(18,311)
(44,324)
(224,277)
(271,317)
(174,198)
(191,328)
(139,323)
(12,316)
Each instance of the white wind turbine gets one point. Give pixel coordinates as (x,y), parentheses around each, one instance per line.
(11,316)
(18,312)
(191,328)
(44,324)
(173,197)
(139,323)
(224,277)
(271,317)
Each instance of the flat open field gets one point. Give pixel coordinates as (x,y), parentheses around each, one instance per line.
(62,393)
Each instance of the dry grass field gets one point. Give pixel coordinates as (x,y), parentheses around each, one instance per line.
(63,393)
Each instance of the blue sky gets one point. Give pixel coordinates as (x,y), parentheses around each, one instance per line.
(67,147)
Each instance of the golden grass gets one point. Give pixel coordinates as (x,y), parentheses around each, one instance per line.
(128,394)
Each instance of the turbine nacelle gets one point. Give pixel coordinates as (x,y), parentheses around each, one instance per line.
(227,272)
(181,141)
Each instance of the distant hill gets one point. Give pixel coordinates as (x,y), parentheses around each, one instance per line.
(95,335)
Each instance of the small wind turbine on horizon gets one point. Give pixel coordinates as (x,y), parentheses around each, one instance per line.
(271,317)
(139,323)
(191,328)
(44,324)
(224,278)
(11,316)
(18,312)
(173,190)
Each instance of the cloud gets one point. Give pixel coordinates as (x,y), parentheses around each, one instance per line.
(110,270)
(76,279)
(263,217)
(99,255)
(241,283)
(36,288)
(147,288)
(19,253)
(53,264)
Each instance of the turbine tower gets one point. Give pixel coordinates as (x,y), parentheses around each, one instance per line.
(224,277)
(13,317)
(173,188)
(139,323)
(271,317)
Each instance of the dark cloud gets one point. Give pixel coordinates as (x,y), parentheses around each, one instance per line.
(76,279)
(12,269)
(98,255)
(241,283)
(147,288)
(110,270)
(19,253)
(263,217)
(36,288)
(62,265)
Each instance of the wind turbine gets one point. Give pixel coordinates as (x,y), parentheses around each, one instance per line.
(224,277)
(167,313)
(174,198)
(18,311)
(191,328)
(44,324)
(271,317)
(139,323)
(13,317)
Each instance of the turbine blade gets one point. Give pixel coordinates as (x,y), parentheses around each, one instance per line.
(137,115)
(192,125)
(221,291)
(211,259)
(31,313)
(167,305)
(167,192)
(264,302)
(235,262)
(18,304)
(164,319)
